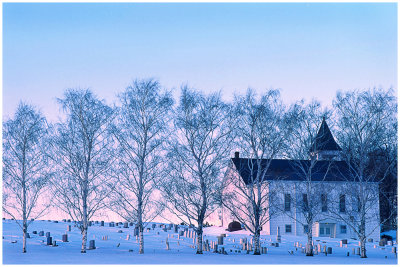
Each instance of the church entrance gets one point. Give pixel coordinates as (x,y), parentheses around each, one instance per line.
(326,229)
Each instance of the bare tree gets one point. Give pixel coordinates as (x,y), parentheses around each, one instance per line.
(25,172)
(260,134)
(364,118)
(83,155)
(310,167)
(140,133)
(197,155)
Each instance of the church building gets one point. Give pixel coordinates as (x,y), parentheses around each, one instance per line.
(331,195)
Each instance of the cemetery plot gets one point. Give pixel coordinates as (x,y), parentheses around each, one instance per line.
(117,243)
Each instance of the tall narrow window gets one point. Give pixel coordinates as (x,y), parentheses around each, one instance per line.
(305,202)
(342,203)
(324,203)
(287,202)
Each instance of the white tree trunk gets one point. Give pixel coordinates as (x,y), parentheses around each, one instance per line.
(200,239)
(256,243)
(309,249)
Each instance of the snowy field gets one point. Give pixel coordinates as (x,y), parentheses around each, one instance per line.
(108,251)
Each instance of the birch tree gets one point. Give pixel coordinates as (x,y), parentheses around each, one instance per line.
(308,137)
(364,118)
(141,130)
(25,172)
(260,133)
(197,155)
(83,155)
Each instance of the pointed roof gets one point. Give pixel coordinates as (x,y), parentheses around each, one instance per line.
(324,139)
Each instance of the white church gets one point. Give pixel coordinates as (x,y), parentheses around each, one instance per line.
(335,198)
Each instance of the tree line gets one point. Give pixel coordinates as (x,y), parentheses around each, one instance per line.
(148,154)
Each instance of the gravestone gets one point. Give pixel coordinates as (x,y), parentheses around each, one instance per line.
(34,232)
(131,224)
(90,224)
(220,240)
(382,243)
(329,250)
(69,228)
(153,226)
(181,233)
(41,233)
(394,250)
(49,241)
(69,220)
(175,228)
(358,251)
(55,221)
(136,232)
(125,225)
(120,231)
(65,238)
(278,235)
(102,223)
(28,235)
(370,240)
(64,220)
(344,241)
(92,244)
(47,234)
(111,224)
(54,244)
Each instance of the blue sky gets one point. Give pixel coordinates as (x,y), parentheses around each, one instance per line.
(309,50)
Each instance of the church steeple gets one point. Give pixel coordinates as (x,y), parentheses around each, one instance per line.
(324,146)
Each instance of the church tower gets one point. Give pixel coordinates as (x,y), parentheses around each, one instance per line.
(324,146)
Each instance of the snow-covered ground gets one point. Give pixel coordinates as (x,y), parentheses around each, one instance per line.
(108,251)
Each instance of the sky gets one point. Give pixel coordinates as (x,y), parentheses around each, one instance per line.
(308,50)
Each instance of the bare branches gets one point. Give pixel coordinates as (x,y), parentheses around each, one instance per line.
(82,153)
(197,154)
(25,166)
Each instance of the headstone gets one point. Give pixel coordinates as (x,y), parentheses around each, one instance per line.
(92,244)
(329,250)
(220,240)
(41,233)
(394,250)
(125,225)
(153,226)
(358,251)
(111,224)
(370,240)
(64,220)
(90,224)
(55,221)
(381,243)
(344,241)
(54,243)
(102,223)
(120,231)
(28,235)
(136,232)
(69,220)
(49,241)
(65,238)
(175,228)
(278,235)
(47,234)
(69,228)
(34,232)
(167,243)
(181,233)
(131,224)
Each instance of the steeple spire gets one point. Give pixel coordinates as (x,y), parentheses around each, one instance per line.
(324,145)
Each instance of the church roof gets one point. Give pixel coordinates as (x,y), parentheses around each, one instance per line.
(324,139)
(283,169)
